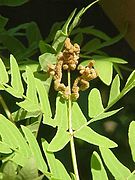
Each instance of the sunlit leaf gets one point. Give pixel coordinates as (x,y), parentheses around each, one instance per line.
(43,99)
(115,89)
(9,170)
(22,114)
(97,168)
(78,118)
(35,149)
(5,148)
(31,87)
(57,169)
(105,115)
(59,39)
(95,103)
(90,136)
(59,141)
(16,140)
(118,170)
(16,81)
(111,59)
(61,116)
(131,135)
(29,106)
(104,70)
(3,73)
(45,59)
(29,171)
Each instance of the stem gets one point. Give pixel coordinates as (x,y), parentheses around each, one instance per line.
(8,113)
(72,145)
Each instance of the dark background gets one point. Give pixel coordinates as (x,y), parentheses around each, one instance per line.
(45,13)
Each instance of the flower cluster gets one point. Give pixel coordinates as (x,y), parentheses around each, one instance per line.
(68,60)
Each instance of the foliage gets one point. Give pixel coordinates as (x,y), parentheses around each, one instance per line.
(20,153)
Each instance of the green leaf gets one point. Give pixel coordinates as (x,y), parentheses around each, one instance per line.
(46,59)
(35,149)
(5,148)
(131,177)
(55,27)
(61,116)
(3,22)
(95,103)
(59,141)
(16,141)
(87,134)
(66,25)
(131,135)
(105,115)
(111,59)
(104,70)
(97,168)
(78,38)
(3,73)
(16,81)
(57,169)
(78,118)
(118,170)
(91,45)
(31,93)
(29,171)
(9,171)
(78,16)
(115,89)
(33,34)
(28,106)
(43,99)
(46,48)
(12,3)
(59,40)
(14,46)
(22,114)
(130,82)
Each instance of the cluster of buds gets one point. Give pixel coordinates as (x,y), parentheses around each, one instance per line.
(68,60)
(81,83)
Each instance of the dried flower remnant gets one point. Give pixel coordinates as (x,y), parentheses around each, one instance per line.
(68,60)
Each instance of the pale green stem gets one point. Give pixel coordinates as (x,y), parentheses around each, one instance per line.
(72,145)
(8,113)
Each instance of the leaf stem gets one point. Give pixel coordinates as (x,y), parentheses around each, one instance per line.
(72,145)
(8,113)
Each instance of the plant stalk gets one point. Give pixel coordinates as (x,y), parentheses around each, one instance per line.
(72,145)
(8,113)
